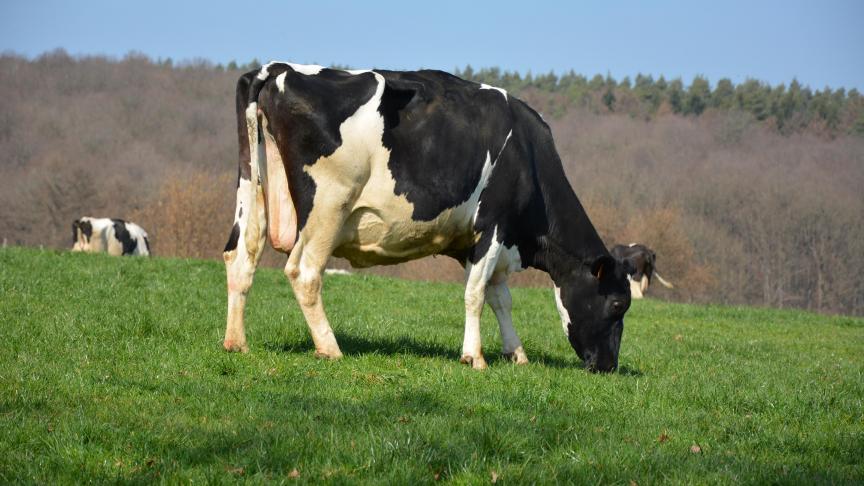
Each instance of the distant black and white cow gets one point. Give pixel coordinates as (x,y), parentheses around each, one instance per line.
(113,236)
(643,263)
(380,167)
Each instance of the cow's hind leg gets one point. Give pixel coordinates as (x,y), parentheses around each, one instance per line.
(242,254)
(498,297)
(305,267)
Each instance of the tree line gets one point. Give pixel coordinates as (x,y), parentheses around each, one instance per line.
(788,109)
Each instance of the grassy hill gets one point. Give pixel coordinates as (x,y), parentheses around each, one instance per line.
(113,371)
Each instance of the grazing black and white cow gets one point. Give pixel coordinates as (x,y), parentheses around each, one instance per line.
(381,167)
(643,263)
(113,236)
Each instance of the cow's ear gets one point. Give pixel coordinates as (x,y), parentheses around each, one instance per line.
(602,265)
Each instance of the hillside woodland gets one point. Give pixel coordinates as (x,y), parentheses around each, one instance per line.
(749,193)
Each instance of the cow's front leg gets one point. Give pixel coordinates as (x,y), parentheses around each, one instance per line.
(477,277)
(498,296)
(242,254)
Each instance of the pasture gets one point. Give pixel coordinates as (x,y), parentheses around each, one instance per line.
(114,372)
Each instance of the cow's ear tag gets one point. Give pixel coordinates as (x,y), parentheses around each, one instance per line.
(599,266)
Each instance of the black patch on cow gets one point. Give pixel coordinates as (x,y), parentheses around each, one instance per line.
(397,95)
(439,137)
(86,230)
(147,245)
(233,238)
(240,213)
(75,230)
(479,250)
(123,236)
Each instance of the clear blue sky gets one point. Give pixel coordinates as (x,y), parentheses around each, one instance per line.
(819,42)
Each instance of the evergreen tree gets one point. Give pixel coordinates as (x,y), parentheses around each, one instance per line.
(609,99)
(676,95)
(698,96)
(625,83)
(467,73)
(724,94)
(596,83)
(648,92)
(752,97)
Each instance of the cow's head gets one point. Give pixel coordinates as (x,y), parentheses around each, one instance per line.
(82,230)
(592,300)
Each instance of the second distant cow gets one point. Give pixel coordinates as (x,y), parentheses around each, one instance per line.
(113,236)
(643,261)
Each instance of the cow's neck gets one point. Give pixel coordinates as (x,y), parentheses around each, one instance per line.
(569,238)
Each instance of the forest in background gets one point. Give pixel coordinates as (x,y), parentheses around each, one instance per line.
(749,193)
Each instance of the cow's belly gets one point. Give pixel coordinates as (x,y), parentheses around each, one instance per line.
(384,233)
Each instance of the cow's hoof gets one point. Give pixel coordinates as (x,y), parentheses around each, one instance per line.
(233,346)
(517,357)
(332,355)
(478,363)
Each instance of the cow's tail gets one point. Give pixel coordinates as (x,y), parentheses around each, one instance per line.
(256,139)
(257,157)
(663,281)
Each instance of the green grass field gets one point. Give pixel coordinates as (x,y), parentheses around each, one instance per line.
(114,372)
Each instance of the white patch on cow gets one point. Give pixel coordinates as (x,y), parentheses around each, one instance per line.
(358,71)
(509,261)
(562,311)
(474,200)
(280,82)
(631,245)
(500,90)
(307,69)
(264,72)
(244,194)
(504,145)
